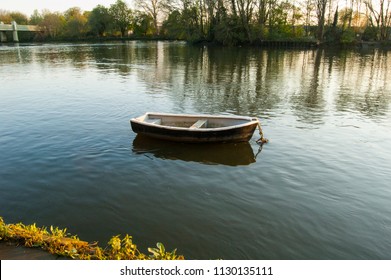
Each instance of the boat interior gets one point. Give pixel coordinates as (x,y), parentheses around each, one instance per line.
(192,122)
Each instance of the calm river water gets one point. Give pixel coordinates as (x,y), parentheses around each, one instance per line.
(319,190)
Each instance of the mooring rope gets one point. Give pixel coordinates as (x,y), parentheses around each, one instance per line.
(261,140)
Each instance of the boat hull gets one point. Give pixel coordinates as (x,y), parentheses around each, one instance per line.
(238,132)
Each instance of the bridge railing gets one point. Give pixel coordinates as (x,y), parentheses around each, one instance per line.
(15,28)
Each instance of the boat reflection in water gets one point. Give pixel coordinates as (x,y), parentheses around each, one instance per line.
(231,154)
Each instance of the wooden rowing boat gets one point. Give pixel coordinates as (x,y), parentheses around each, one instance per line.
(195,128)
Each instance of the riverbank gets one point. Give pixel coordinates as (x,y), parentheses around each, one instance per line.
(281,44)
(12,251)
(59,243)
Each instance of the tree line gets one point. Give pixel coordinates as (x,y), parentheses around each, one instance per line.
(228,22)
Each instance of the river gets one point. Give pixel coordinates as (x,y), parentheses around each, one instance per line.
(320,189)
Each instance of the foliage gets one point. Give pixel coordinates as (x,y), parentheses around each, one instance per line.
(99,20)
(228,22)
(321,15)
(160,253)
(192,24)
(53,24)
(229,32)
(344,36)
(380,17)
(36,18)
(345,17)
(332,33)
(286,32)
(143,25)
(184,24)
(19,17)
(8,17)
(75,22)
(348,36)
(5,17)
(151,10)
(173,27)
(58,241)
(370,33)
(121,15)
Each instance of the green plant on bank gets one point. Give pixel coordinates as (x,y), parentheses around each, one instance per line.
(160,253)
(59,242)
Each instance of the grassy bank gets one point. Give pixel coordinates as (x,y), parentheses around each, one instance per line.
(58,242)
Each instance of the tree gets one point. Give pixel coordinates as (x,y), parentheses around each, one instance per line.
(8,17)
(245,10)
(382,16)
(19,18)
(184,19)
(192,20)
(75,22)
(5,17)
(345,17)
(321,14)
(36,18)
(143,24)
(309,7)
(122,16)
(153,8)
(262,12)
(52,23)
(283,18)
(173,26)
(99,20)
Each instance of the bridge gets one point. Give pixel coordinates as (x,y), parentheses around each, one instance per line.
(14,28)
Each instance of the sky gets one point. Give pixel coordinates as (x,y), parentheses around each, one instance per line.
(27,7)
